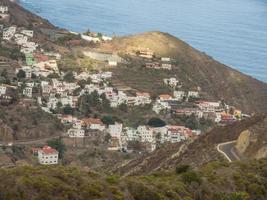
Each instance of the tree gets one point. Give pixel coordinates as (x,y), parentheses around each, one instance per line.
(4,73)
(69,77)
(192,122)
(109,120)
(156,122)
(15,54)
(58,145)
(123,107)
(68,110)
(21,74)
(182,169)
(58,107)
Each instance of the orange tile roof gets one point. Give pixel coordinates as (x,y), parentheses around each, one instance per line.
(146,94)
(48,150)
(165,96)
(90,121)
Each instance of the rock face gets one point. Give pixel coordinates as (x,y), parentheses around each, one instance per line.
(243,141)
(252,143)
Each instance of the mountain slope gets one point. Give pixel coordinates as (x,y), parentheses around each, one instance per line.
(214,181)
(195,68)
(21,17)
(195,153)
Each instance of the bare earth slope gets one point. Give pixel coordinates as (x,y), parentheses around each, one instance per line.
(195,68)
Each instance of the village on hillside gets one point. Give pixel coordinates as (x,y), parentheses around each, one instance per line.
(61,93)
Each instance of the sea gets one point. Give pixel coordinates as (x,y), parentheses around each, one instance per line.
(233,32)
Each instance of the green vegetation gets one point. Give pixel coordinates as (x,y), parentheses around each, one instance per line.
(12,53)
(156,122)
(58,145)
(63,40)
(181,169)
(87,103)
(69,77)
(66,183)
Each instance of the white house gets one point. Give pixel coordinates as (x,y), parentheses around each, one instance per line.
(115,130)
(106,38)
(76,133)
(90,39)
(166,66)
(27,91)
(28,33)
(48,156)
(142,98)
(193,94)
(67,119)
(165,59)
(172,82)
(207,106)
(3,9)
(82,76)
(52,102)
(67,101)
(2,90)
(146,133)
(106,75)
(179,95)
(112,63)
(131,134)
(159,106)
(94,124)
(20,39)
(8,33)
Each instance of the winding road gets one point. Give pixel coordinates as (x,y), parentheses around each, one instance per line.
(228,150)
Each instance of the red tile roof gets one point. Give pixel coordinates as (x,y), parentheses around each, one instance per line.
(143,94)
(90,121)
(165,96)
(48,150)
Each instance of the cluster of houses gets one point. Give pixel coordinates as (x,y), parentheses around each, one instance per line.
(94,37)
(154,63)
(21,37)
(122,136)
(148,136)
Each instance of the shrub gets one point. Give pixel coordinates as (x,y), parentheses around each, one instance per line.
(181,169)
(191,176)
(156,122)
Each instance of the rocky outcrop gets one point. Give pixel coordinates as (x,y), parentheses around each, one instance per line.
(243,141)
(252,143)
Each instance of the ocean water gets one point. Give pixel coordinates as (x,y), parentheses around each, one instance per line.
(231,31)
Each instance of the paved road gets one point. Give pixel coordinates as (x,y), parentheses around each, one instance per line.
(228,150)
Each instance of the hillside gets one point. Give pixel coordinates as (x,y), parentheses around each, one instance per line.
(195,153)
(43,29)
(194,69)
(216,180)
(21,17)
(24,121)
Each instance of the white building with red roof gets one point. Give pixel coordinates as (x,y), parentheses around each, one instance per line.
(165,97)
(48,156)
(94,124)
(142,98)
